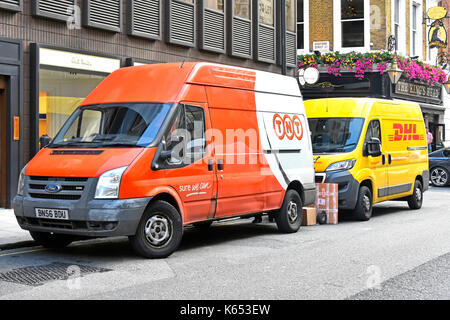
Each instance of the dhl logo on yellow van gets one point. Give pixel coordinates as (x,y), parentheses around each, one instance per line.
(288,127)
(406,132)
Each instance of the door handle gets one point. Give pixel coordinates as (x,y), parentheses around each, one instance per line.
(390,159)
(220,164)
(384,159)
(211,165)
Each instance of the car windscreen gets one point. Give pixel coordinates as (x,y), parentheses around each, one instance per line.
(335,135)
(113,125)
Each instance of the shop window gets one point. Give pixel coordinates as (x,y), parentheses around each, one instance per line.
(144,18)
(352,21)
(265,44)
(212,25)
(55,9)
(12,5)
(103,14)
(60,93)
(180,22)
(240,29)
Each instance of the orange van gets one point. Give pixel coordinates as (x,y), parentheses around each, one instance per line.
(155,148)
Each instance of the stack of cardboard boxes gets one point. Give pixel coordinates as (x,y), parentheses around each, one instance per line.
(326,208)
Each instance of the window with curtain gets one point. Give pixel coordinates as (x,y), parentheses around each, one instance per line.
(414,28)
(352,20)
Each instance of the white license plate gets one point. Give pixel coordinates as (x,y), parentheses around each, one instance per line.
(56,214)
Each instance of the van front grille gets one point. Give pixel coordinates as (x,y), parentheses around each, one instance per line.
(71,188)
(55,196)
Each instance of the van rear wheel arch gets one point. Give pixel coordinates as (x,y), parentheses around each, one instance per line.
(297,186)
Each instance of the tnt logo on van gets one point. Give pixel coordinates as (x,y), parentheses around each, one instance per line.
(288,127)
(406,132)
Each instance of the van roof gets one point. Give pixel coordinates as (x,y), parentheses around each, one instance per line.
(165,82)
(361,107)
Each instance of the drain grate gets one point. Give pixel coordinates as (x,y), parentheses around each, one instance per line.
(38,275)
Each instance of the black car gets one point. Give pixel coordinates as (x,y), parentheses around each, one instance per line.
(440,167)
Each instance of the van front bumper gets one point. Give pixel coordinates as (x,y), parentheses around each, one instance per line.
(348,188)
(95,218)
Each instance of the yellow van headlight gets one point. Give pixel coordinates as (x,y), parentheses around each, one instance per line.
(342,165)
(108,186)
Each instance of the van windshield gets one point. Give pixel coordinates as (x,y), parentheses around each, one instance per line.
(112,125)
(335,135)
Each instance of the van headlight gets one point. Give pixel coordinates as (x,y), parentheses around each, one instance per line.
(108,186)
(342,165)
(21,184)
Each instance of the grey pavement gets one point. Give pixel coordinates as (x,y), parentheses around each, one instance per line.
(399,254)
(10,232)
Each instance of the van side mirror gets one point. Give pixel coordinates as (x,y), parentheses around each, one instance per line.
(44,141)
(374,148)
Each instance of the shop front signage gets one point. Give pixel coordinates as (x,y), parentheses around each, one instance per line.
(72,60)
(418,92)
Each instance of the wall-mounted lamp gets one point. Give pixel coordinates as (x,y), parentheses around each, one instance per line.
(395,73)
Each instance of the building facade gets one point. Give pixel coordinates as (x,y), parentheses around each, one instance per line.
(363,26)
(54,52)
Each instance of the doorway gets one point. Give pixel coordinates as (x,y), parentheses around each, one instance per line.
(3,115)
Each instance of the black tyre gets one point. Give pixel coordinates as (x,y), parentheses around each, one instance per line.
(322,217)
(203,224)
(159,233)
(364,205)
(289,218)
(416,199)
(440,177)
(52,240)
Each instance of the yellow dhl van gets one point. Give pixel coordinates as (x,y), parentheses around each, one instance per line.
(374,149)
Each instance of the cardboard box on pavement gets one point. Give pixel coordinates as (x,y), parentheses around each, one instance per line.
(309,216)
(327,201)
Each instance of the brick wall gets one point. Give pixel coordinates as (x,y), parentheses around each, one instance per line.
(321,21)
(379,24)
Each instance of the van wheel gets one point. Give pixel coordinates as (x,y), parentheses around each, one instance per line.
(439,177)
(289,218)
(364,207)
(159,233)
(52,240)
(416,199)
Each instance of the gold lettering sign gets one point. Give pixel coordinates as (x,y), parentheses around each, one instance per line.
(437,13)
(418,90)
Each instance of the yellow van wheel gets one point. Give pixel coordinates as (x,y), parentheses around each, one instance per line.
(363,209)
(416,199)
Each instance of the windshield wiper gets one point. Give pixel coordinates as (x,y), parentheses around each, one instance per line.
(119,144)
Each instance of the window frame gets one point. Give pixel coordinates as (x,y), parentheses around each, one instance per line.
(256,27)
(201,7)
(87,22)
(167,23)
(38,13)
(337,34)
(130,22)
(400,35)
(231,17)
(12,7)
(305,28)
